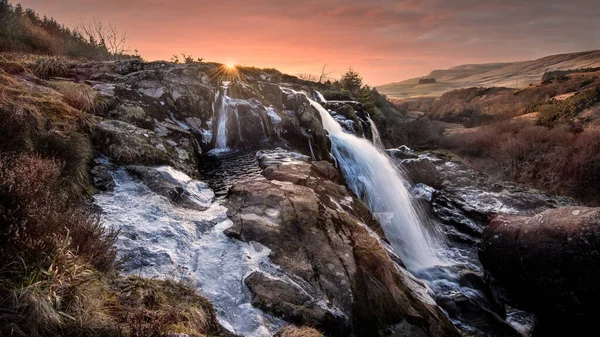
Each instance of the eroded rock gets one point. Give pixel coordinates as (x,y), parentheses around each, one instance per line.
(339,277)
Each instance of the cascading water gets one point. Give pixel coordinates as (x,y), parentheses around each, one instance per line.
(376,137)
(379,184)
(221,137)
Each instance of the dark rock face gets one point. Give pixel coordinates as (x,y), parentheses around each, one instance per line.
(421,170)
(548,264)
(102,179)
(338,276)
(465,199)
(351,115)
(178,103)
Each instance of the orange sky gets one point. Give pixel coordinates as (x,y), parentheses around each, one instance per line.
(386,41)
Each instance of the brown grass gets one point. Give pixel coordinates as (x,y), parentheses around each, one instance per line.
(78,95)
(12,68)
(481,106)
(559,160)
(291,331)
(48,67)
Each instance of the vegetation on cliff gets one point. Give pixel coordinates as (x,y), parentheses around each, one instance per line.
(545,135)
(24,30)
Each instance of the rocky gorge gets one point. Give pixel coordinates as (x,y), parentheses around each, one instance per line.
(272,202)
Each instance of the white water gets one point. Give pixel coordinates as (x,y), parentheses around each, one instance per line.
(380,185)
(221,140)
(169,241)
(376,137)
(320,97)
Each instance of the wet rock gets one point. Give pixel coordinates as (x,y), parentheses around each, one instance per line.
(400,153)
(102,179)
(177,186)
(284,300)
(128,144)
(548,264)
(421,170)
(326,243)
(302,127)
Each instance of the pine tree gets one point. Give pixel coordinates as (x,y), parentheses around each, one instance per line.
(351,81)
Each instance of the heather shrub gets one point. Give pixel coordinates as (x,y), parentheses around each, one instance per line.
(559,160)
(36,217)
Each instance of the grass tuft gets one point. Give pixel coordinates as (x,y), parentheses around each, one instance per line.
(292,331)
(48,67)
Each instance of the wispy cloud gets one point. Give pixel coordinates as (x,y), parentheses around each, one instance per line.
(385,40)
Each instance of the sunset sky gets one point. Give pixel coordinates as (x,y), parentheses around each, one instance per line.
(386,41)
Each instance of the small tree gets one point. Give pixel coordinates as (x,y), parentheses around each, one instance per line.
(351,81)
(107,37)
(325,74)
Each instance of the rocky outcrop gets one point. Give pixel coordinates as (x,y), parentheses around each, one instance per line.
(335,273)
(548,264)
(351,115)
(180,104)
(465,199)
(127,144)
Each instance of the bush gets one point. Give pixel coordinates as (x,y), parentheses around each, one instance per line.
(557,160)
(564,111)
(36,217)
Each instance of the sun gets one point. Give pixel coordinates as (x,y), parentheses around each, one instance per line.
(230,66)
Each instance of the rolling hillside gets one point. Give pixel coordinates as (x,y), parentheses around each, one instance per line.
(513,74)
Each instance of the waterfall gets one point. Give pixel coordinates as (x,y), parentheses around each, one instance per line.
(221,140)
(380,185)
(376,137)
(320,97)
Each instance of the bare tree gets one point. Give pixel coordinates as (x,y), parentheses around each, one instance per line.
(107,36)
(307,77)
(324,73)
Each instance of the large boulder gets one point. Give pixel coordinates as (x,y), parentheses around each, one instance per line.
(334,273)
(127,144)
(548,264)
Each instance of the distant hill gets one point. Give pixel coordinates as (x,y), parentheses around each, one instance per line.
(511,75)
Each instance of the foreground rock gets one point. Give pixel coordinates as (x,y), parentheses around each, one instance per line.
(334,272)
(548,264)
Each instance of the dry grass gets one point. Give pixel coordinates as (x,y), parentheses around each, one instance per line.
(130,113)
(480,106)
(12,68)
(291,331)
(561,160)
(78,95)
(48,67)
(156,307)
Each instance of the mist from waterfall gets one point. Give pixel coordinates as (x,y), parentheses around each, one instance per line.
(380,185)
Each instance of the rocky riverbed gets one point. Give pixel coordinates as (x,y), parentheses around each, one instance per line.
(264,225)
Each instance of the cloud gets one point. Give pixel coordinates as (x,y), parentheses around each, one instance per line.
(385,40)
